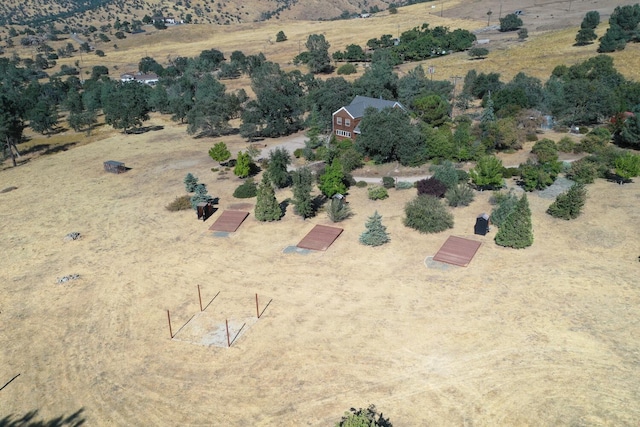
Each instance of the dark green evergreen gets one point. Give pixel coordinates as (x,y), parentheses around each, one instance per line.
(302,180)
(267,207)
(427,214)
(569,204)
(517,229)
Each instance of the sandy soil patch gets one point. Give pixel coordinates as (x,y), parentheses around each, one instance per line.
(543,336)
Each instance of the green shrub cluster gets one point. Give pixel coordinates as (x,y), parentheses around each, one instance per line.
(246,190)
(361,184)
(583,171)
(460,195)
(568,205)
(566,145)
(377,193)
(427,215)
(388,182)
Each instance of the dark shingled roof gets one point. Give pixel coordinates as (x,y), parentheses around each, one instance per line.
(361,103)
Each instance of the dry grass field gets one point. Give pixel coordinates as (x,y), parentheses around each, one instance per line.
(548,335)
(542,336)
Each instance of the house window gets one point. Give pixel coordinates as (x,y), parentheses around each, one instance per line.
(339,120)
(347,122)
(343,133)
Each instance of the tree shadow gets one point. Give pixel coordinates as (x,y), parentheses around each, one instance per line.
(284,205)
(29,420)
(145,129)
(317,202)
(58,148)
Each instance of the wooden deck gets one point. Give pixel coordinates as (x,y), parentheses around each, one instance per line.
(229,221)
(457,251)
(320,238)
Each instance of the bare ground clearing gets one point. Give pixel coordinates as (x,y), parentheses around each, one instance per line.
(544,336)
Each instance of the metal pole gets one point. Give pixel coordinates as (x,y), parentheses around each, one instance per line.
(200,297)
(228,340)
(257,311)
(169,318)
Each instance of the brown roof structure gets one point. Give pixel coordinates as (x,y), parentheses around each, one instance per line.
(320,238)
(229,221)
(457,251)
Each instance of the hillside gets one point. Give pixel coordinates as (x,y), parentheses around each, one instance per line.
(77,13)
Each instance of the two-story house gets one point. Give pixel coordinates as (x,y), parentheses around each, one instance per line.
(347,119)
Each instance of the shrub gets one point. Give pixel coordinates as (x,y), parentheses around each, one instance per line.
(592,143)
(488,173)
(347,69)
(375,233)
(388,182)
(627,166)
(545,150)
(297,153)
(427,215)
(516,231)
(361,184)
(246,190)
(181,203)
(100,53)
(369,417)
(446,173)
(432,187)
(377,193)
(190,182)
(583,130)
(510,172)
(566,145)
(568,205)
(460,195)
(532,136)
(505,204)
(463,176)
(351,159)
(536,176)
(583,171)
(332,180)
(404,185)
(338,210)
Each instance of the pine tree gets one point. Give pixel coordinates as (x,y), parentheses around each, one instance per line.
(569,205)
(517,230)
(190,182)
(267,207)
(375,233)
(302,183)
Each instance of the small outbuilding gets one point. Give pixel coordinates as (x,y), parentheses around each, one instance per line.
(205,210)
(482,224)
(115,167)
